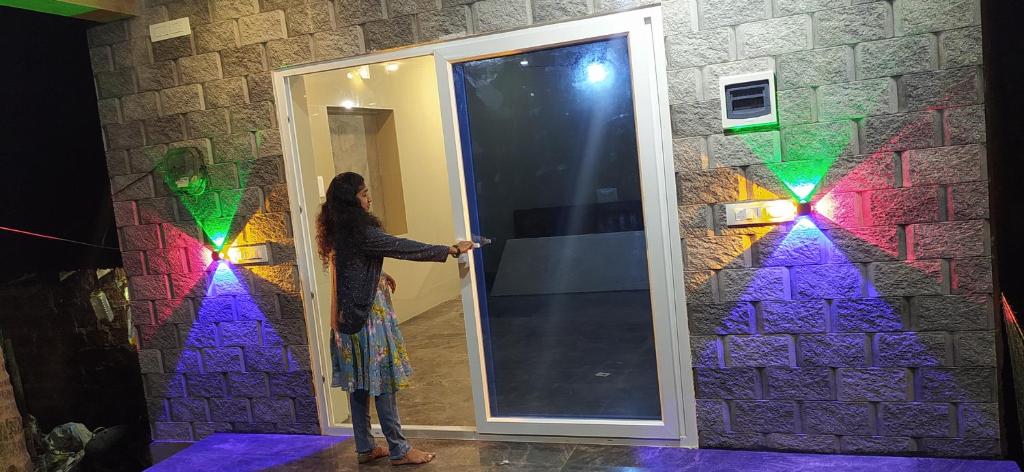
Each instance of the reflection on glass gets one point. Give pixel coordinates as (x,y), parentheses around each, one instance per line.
(550,153)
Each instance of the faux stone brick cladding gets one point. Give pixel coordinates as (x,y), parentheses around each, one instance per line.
(871,332)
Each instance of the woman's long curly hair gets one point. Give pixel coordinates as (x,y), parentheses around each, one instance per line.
(342,221)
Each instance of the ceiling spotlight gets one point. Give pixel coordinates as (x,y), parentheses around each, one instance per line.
(348,104)
(393,67)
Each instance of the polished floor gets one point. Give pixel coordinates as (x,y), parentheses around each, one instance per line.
(269,452)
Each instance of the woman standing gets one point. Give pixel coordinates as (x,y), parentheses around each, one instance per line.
(368,354)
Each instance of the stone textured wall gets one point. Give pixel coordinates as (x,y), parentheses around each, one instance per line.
(867,329)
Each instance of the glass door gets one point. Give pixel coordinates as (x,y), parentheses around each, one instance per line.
(556,158)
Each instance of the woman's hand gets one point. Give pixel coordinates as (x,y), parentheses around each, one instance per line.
(462,247)
(390,282)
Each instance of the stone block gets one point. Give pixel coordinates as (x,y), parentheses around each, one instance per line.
(410,7)
(106,34)
(827,281)
(855,100)
(149,287)
(815,67)
(706,351)
(260,87)
(880,445)
(696,119)
(140,106)
(234,9)
(230,409)
(110,111)
(959,447)
(255,428)
(223,360)
(684,85)
(908,278)
(873,384)
(715,13)
(187,361)
(897,56)
(700,286)
(964,125)
(822,444)
(700,48)
(793,7)
(711,415)
(273,410)
(725,318)
(842,418)
(100,59)
(960,47)
(354,12)
(942,89)
(150,361)
(869,244)
(117,83)
(718,252)
(207,385)
(979,420)
(125,215)
(204,429)
(265,359)
(308,18)
(912,349)
(855,24)
(807,383)
(188,409)
(168,431)
(496,15)
(737,383)
(759,351)
(764,416)
(904,206)
(291,51)
(391,33)
(201,68)
(554,10)
(252,117)
(198,11)
(182,99)
(123,136)
(957,384)
(216,36)
(790,248)
(157,76)
(447,23)
(793,317)
(131,187)
(291,384)
(732,440)
(708,187)
(969,201)
(169,261)
(262,28)
(972,275)
(770,283)
(975,349)
(834,350)
(775,36)
(225,93)
(169,385)
(240,333)
(245,60)
(165,129)
(678,17)
(311,428)
(299,359)
(819,141)
(914,419)
(175,48)
(924,16)
(955,239)
(890,133)
(714,72)
(207,124)
(796,106)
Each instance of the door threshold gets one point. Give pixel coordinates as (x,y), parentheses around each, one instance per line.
(469,433)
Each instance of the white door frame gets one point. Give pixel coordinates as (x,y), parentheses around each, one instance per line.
(643,28)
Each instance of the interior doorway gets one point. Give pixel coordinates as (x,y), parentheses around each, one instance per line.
(550,148)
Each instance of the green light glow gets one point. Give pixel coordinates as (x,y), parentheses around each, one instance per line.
(52,7)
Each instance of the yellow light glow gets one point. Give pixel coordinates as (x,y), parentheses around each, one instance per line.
(348,104)
(364,72)
(350,75)
(234,254)
(393,67)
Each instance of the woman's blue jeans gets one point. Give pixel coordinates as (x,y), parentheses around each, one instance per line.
(387,412)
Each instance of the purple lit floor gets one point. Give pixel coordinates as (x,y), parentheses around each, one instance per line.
(252,452)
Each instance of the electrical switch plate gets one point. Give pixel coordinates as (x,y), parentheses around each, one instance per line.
(320,187)
(170,29)
(760,212)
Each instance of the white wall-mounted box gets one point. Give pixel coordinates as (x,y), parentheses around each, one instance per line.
(748,101)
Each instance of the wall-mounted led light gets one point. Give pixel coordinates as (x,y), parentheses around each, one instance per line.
(760,212)
(524,63)
(245,255)
(350,75)
(393,67)
(364,72)
(348,104)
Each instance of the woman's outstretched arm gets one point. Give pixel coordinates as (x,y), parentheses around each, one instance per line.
(379,243)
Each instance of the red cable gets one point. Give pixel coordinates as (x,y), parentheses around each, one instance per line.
(55,238)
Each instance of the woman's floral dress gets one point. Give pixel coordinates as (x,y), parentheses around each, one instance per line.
(375,358)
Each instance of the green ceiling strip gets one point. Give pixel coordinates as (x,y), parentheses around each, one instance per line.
(52,7)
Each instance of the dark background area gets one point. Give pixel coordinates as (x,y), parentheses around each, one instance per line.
(51,148)
(1004,101)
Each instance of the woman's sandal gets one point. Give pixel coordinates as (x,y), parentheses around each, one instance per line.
(377,453)
(415,457)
